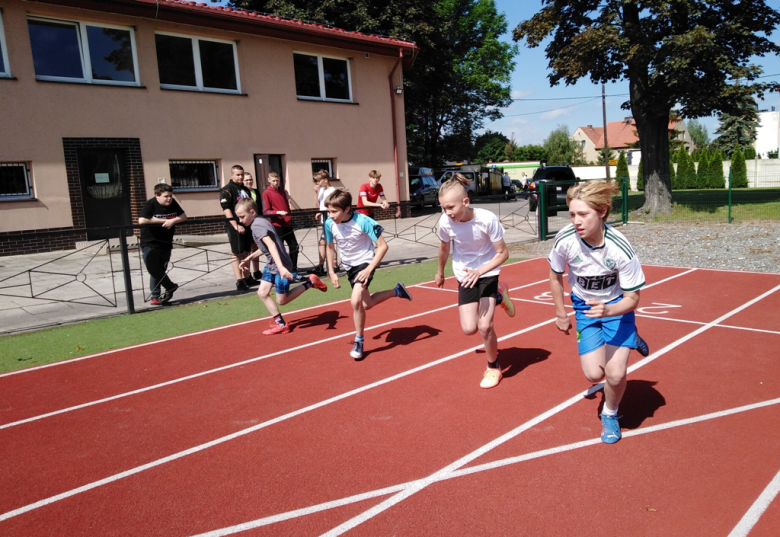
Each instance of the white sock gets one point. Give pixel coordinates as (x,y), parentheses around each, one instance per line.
(608,411)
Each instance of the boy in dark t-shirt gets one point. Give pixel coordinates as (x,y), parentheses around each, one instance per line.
(278,269)
(157,240)
(238,236)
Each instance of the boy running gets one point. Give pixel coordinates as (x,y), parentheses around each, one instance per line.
(605,277)
(278,269)
(478,251)
(355,234)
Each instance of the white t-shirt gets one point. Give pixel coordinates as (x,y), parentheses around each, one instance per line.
(355,238)
(603,272)
(472,241)
(323,194)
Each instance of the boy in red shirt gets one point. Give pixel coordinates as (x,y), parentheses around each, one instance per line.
(371,195)
(276,207)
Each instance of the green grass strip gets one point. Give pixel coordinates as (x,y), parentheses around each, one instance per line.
(89,337)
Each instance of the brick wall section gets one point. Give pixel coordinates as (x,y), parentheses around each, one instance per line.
(41,240)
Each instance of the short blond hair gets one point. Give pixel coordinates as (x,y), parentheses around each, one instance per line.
(455,181)
(373,174)
(597,194)
(247,204)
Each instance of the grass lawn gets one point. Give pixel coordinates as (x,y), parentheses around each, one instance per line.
(90,337)
(712,205)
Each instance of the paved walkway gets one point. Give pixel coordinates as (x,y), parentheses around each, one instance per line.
(41,290)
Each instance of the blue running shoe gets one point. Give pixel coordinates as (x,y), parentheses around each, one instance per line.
(641,346)
(401,292)
(357,350)
(610,429)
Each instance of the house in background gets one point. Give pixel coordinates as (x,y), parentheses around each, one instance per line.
(102,99)
(768,132)
(622,136)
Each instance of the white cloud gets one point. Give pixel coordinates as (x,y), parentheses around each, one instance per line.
(522,94)
(554,114)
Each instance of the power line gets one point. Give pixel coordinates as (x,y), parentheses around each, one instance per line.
(553,109)
(572,98)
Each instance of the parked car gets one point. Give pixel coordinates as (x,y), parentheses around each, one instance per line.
(550,173)
(424,189)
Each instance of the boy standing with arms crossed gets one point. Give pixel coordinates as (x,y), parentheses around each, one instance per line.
(478,252)
(278,269)
(355,234)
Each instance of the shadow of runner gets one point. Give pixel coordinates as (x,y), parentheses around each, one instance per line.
(640,402)
(329,318)
(514,359)
(403,336)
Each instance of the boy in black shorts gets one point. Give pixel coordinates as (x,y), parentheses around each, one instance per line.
(238,235)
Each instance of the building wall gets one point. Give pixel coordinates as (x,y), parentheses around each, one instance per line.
(267,119)
(768,133)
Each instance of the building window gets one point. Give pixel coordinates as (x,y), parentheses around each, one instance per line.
(197,64)
(5,70)
(15,181)
(322,78)
(318,164)
(83,52)
(193,174)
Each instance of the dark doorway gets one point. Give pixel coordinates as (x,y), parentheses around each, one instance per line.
(105,190)
(264,164)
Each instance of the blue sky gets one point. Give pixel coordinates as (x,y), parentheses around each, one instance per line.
(532,121)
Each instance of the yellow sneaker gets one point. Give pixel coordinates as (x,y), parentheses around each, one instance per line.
(491,378)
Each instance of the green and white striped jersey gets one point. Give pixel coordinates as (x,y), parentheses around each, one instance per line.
(601,272)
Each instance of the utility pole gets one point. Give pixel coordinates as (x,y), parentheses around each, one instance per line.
(604,114)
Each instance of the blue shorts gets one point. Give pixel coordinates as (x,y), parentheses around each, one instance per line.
(282,285)
(593,334)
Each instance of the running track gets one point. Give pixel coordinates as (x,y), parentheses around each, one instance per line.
(227,431)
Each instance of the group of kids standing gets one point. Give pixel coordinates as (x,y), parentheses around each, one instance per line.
(604,274)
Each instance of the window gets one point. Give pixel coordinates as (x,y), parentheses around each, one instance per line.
(5,70)
(193,174)
(322,78)
(83,52)
(14,181)
(197,64)
(318,164)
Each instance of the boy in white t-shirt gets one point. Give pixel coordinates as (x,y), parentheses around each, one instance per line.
(355,234)
(323,188)
(605,278)
(478,252)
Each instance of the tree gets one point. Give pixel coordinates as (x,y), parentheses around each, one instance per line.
(750,152)
(703,170)
(672,176)
(622,166)
(717,178)
(561,150)
(490,146)
(612,156)
(460,78)
(699,134)
(687,52)
(738,169)
(640,177)
(738,127)
(685,179)
(530,152)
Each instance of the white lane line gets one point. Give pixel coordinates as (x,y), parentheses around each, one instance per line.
(206,331)
(219,369)
(288,515)
(243,432)
(424,483)
(747,522)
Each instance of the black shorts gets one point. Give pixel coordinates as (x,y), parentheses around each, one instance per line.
(352,272)
(485,287)
(239,243)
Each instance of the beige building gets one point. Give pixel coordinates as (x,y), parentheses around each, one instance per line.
(102,99)
(622,136)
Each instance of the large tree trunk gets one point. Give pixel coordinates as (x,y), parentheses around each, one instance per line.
(654,142)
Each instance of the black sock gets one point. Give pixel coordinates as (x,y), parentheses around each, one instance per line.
(494,365)
(307,284)
(279,320)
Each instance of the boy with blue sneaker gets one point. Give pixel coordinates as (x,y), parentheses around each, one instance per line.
(278,271)
(605,277)
(355,235)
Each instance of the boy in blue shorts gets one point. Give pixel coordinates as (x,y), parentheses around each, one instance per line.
(605,278)
(355,234)
(278,268)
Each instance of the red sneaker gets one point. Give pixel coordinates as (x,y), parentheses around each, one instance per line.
(278,329)
(317,283)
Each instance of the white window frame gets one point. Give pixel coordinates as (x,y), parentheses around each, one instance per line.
(328,161)
(4,47)
(214,164)
(321,73)
(199,69)
(27,196)
(86,62)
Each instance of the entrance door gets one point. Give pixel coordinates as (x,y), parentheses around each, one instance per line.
(105,191)
(263,165)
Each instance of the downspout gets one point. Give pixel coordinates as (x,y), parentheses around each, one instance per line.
(395,132)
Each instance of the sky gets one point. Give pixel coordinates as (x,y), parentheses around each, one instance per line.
(530,122)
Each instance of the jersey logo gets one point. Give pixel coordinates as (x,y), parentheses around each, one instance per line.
(597,283)
(610,263)
(577,259)
(378,230)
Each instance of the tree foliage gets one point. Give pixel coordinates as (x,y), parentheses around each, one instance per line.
(738,169)
(686,53)
(490,146)
(738,128)
(699,134)
(561,150)
(622,166)
(460,78)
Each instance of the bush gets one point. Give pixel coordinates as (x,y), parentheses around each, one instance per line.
(640,178)
(622,166)
(672,175)
(738,169)
(717,179)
